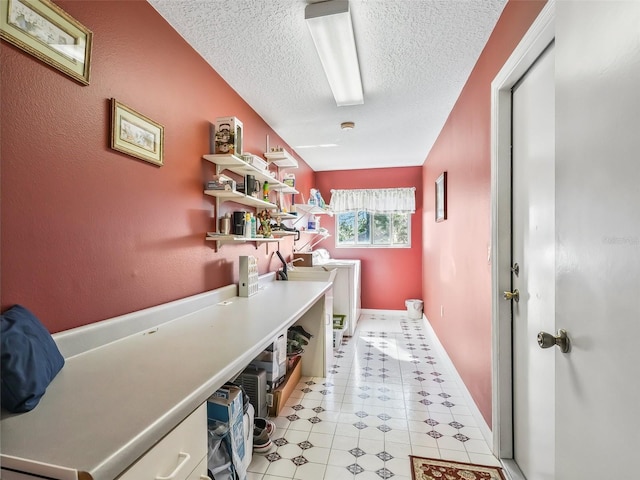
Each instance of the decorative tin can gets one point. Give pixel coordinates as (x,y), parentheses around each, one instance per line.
(228,136)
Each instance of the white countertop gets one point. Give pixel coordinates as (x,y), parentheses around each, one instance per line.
(108,406)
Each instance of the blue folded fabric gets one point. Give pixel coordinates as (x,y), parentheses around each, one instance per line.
(30,360)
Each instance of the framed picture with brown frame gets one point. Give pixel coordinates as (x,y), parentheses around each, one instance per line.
(135,134)
(44,30)
(441,197)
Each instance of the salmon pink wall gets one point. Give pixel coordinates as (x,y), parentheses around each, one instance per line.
(89,233)
(456,267)
(389,275)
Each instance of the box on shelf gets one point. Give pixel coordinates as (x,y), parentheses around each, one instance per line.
(274,361)
(227,136)
(289,179)
(248,276)
(313,224)
(275,372)
(278,398)
(254,161)
(281,158)
(226,406)
(221,182)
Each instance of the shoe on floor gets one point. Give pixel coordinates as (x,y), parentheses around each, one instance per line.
(264,424)
(261,441)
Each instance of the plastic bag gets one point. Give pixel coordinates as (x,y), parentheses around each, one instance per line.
(218,458)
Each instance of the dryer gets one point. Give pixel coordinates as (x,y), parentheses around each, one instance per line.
(346,286)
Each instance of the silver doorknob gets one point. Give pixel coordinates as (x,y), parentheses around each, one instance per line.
(515,295)
(546,340)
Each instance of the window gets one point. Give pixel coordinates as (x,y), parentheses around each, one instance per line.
(373,218)
(363,229)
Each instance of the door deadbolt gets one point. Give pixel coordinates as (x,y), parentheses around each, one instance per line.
(516,269)
(546,340)
(515,295)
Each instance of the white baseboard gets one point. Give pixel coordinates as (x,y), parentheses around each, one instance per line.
(371,311)
(511,469)
(475,411)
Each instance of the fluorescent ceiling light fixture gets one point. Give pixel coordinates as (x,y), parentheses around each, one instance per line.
(322,145)
(332,31)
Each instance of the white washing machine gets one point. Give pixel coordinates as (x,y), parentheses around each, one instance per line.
(346,286)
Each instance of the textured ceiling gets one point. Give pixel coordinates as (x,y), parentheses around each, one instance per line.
(415,57)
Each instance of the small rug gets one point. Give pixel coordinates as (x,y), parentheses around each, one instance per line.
(432,469)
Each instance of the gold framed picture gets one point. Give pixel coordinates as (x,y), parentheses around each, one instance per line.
(135,134)
(44,30)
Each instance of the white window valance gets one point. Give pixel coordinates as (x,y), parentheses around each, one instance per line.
(382,200)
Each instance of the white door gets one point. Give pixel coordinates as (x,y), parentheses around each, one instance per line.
(597,245)
(533,267)
(598,233)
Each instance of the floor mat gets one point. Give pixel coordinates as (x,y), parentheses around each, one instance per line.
(433,469)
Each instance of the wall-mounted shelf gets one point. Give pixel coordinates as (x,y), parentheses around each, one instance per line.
(282,233)
(307,209)
(220,239)
(241,198)
(283,216)
(240,167)
(282,159)
(237,165)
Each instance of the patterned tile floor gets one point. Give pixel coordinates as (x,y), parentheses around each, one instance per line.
(387,396)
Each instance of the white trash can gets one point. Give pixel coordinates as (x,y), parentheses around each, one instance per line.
(414,308)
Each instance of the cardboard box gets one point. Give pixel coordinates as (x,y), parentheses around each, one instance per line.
(228,136)
(225,406)
(268,362)
(281,394)
(274,361)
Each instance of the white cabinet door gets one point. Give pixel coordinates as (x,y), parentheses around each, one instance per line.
(177,454)
(200,473)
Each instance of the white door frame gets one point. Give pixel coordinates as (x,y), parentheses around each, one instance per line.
(536,40)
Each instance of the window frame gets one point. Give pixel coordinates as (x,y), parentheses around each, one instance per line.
(371,230)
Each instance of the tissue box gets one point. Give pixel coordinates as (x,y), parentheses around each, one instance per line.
(228,136)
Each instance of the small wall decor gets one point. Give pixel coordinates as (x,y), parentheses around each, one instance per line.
(44,30)
(136,135)
(441,197)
